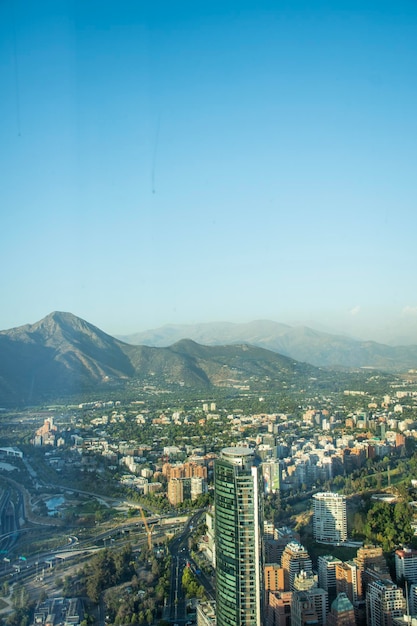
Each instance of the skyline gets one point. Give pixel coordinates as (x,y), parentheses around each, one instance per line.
(228,162)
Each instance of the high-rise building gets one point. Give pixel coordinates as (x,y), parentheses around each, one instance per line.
(272,475)
(326,566)
(238,533)
(294,559)
(348,580)
(406,565)
(211,542)
(329,517)
(175,491)
(303,611)
(371,556)
(269,530)
(321,604)
(412,599)
(371,565)
(341,612)
(273,548)
(306,583)
(179,489)
(309,608)
(198,487)
(384,602)
(278,608)
(273,577)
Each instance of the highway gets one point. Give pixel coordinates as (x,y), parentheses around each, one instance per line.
(176,609)
(37,568)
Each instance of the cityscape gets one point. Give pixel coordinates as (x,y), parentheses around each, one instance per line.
(208,326)
(205,508)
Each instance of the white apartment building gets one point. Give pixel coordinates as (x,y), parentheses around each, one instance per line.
(406,564)
(329,517)
(198,487)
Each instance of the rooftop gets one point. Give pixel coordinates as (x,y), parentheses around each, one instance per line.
(342,603)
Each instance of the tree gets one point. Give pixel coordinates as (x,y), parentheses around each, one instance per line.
(358,524)
(20,597)
(389,525)
(43,596)
(20,617)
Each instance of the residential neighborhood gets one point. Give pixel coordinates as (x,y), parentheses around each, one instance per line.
(326,471)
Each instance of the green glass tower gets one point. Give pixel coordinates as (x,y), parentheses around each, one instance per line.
(238,538)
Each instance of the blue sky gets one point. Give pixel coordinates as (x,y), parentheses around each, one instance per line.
(181,162)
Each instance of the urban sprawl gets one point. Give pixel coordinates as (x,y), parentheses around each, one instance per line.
(158,511)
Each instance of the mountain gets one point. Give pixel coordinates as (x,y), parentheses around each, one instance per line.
(63,355)
(299,342)
(59,354)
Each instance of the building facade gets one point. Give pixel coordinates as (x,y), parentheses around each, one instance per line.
(274,577)
(179,489)
(341,612)
(384,603)
(371,566)
(278,608)
(329,517)
(295,558)
(326,565)
(238,534)
(406,565)
(348,580)
(303,610)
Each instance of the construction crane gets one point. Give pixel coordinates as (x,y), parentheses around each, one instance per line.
(145,523)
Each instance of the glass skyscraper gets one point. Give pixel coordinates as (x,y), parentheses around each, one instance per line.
(238,538)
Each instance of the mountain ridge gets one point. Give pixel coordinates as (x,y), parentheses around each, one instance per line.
(65,355)
(302,343)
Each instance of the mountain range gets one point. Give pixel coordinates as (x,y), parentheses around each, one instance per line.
(63,355)
(297,342)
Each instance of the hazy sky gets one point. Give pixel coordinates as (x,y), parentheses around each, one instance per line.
(178,162)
